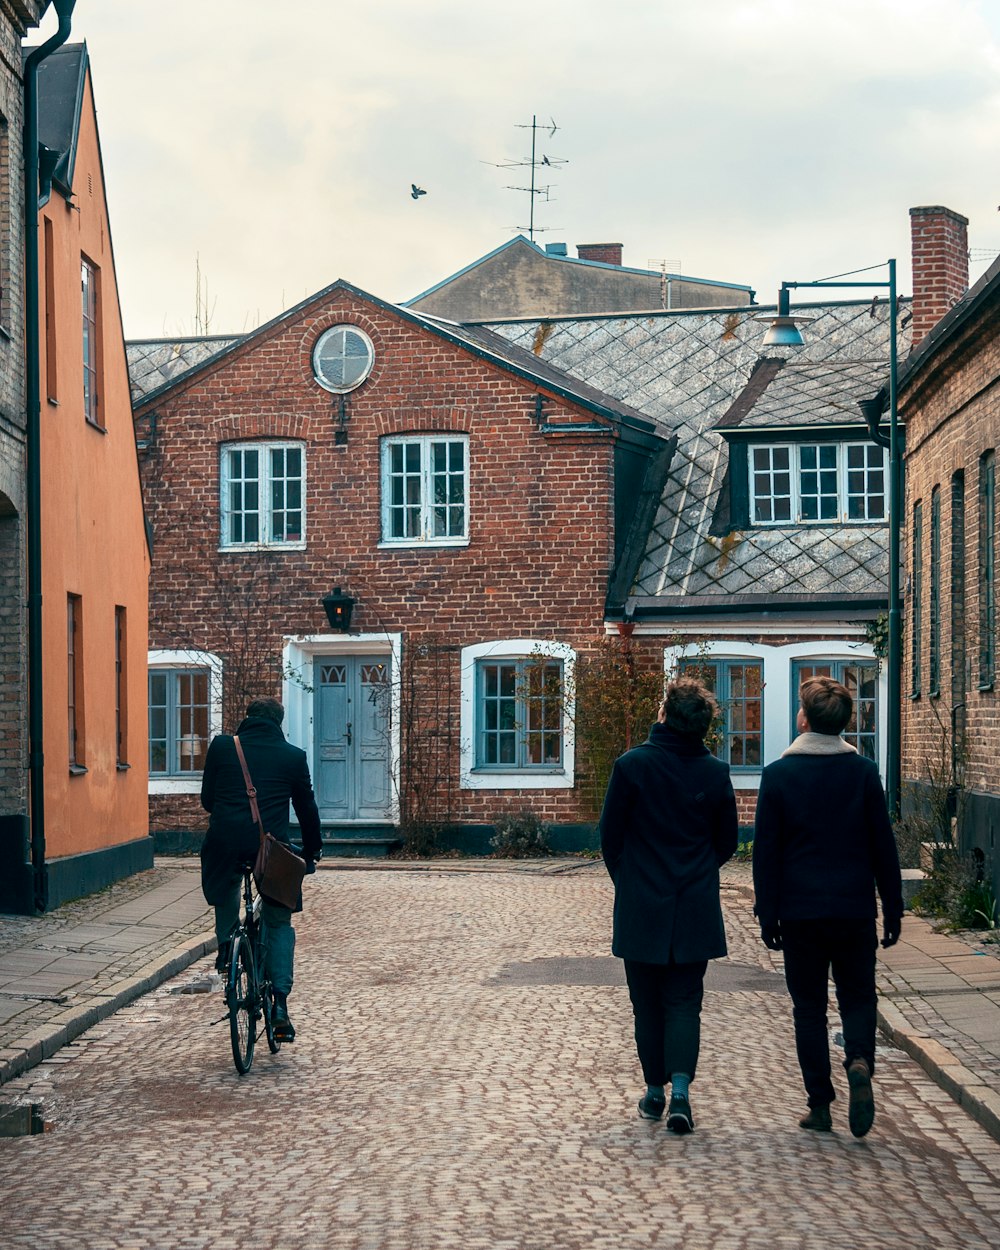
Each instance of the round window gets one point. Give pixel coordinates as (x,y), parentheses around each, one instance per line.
(342,358)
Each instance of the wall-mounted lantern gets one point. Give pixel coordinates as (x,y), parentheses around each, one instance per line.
(338,608)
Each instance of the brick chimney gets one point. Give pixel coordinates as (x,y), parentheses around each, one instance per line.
(940,246)
(608,253)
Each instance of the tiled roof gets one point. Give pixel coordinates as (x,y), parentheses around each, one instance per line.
(685,370)
(154,362)
(803,393)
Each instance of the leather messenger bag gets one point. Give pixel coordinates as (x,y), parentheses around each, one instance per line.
(278,871)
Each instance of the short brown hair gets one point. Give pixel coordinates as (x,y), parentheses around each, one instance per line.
(267,709)
(689,707)
(827,704)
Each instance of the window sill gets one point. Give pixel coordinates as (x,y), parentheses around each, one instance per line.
(420,544)
(54,403)
(985,688)
(94,425)
(298,545)
(554,779)
(77,770)
(122,768)
(190,784)
(913,696)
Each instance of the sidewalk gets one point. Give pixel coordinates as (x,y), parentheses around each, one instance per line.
(62,972)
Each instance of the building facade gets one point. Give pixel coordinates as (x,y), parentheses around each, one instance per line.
(461,495)
(950,397)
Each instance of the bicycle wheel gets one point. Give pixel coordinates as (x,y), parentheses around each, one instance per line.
(273,1044)
(241,992)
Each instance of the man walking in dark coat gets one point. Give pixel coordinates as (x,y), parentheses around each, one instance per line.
(280,773)
(669,821)
(822,844)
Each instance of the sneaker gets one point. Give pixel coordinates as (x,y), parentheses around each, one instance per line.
(222,956)
(651,1107)
(284,1030)
(818,1119)
(679,1117)
(861,1107)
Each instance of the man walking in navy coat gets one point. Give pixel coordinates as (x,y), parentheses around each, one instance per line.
(822,844)
(669,821)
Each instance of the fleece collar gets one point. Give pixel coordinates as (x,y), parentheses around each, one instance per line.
(819,744)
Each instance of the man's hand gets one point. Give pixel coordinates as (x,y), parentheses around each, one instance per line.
(890,931)
(770,935)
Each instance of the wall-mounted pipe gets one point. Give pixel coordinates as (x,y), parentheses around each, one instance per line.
(36,761)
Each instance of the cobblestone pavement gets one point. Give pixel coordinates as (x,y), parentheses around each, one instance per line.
(465,1077)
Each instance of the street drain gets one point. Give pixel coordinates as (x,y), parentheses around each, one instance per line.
(21,1120)
(205,986)
(724,976)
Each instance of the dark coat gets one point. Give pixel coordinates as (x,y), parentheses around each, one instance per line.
(823,841)
(669,821)
(280,773)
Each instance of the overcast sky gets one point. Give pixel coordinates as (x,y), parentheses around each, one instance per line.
(740,140)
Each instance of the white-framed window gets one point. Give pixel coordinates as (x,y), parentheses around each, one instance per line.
(185,714)
(517,711)
(263,494)
(342,359)
(738,686)
(813,483)
(778,669)
(425,489)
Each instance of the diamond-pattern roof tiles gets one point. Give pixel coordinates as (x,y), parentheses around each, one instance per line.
(684,370)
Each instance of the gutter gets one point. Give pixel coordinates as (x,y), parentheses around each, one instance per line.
(36,760)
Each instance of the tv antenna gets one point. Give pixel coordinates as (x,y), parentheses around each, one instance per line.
(534,163)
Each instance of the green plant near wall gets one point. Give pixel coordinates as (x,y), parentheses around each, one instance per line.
(877,635)
(617,689)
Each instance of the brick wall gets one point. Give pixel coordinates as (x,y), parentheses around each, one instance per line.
(541,509)
(951,414)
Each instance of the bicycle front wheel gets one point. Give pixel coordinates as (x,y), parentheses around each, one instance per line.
(241,996)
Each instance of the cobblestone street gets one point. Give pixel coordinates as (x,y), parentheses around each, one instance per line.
(465,1077)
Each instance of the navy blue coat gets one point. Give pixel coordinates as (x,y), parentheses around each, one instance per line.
(280,773)
(823,841)
(669,821)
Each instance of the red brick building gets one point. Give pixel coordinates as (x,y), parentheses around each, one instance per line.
(472,501)
(950,399)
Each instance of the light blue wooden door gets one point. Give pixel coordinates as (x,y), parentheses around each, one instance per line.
(351,724)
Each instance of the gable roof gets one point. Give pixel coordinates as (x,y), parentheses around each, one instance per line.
(519,241)
(684,369)
(165,363)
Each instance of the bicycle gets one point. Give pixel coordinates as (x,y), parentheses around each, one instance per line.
(249,996)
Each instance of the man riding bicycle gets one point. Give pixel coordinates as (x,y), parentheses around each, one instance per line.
(280,772)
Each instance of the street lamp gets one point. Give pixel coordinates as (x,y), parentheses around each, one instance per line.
(784,332)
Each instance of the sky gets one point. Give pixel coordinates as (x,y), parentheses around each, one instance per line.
(271,148)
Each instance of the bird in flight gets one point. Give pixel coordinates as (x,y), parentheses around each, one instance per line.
(416,192)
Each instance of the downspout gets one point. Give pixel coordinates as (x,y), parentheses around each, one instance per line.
(36,763)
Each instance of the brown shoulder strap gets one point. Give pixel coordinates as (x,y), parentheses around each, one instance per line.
(251,791)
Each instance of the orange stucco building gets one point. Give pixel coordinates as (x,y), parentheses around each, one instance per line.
(95,553)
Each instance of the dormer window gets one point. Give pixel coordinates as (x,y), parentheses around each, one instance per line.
(816,483)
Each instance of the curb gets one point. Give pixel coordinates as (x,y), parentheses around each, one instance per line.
(972,1094)
(32,1049)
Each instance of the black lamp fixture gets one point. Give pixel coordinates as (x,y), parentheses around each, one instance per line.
(339,607)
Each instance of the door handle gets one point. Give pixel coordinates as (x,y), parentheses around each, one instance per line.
(347,734)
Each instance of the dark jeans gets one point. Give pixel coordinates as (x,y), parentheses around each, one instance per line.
(666,1003)
(815,949)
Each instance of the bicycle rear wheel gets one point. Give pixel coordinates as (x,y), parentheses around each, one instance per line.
(241,994)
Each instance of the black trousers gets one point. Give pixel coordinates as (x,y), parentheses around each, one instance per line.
(666,1003)
(813,950)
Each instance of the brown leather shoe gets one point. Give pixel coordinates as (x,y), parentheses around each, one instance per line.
(861,1107)
(818,1119)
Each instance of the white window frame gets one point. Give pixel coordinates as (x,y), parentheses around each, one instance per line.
(426,538)
(844,494)
(778,695)
(472,777)
(176,659)
(264,449)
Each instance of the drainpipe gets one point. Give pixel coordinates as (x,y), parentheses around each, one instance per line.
(36,772)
